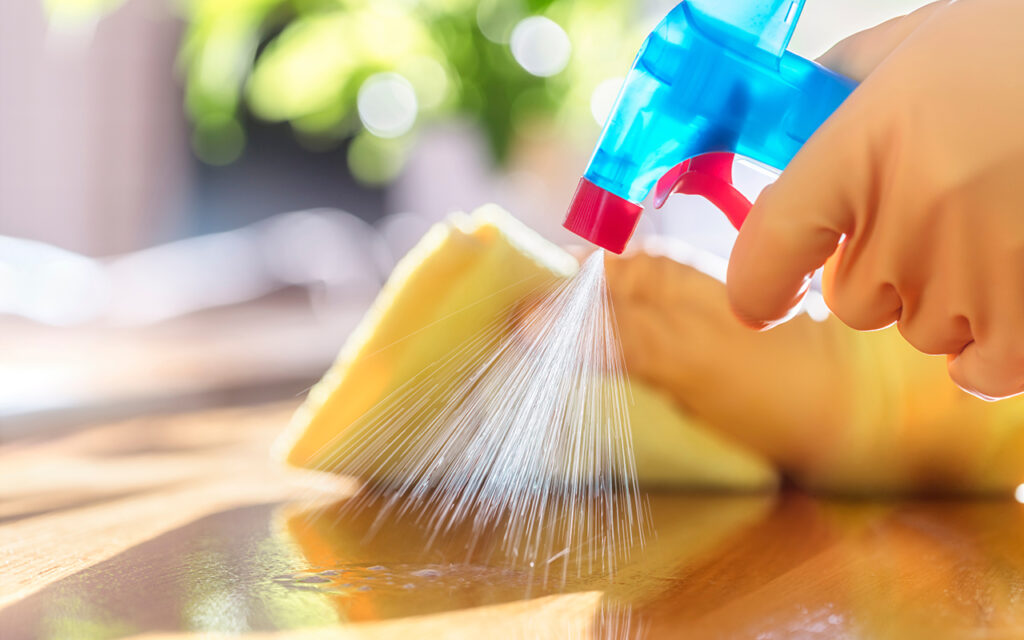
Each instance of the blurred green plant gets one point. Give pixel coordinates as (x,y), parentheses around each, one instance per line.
(309,63)
(375,70)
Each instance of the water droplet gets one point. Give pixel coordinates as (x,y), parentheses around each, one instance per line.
(427,573)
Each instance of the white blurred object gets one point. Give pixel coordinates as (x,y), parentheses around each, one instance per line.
(541,46)
(387,105)
(603,99)
(50,285)
(400,233)
(185,276)
(331,253)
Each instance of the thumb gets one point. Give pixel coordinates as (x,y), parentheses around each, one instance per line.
(797,223)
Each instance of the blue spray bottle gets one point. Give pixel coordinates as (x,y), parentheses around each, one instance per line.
(712,80)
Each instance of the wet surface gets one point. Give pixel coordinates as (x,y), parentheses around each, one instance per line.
(279,566)
(179,527)
(739,567)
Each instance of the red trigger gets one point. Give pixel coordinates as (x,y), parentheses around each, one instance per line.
(708,175)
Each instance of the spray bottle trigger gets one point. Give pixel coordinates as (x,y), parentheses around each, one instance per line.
(708,175)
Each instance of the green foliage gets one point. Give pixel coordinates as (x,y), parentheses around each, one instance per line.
(304,61)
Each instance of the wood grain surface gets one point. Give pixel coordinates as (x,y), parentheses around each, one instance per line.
(180,527)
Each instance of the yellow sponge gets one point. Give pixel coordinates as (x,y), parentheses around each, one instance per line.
(464,275)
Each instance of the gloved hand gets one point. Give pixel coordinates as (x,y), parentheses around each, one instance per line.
(912,196)
(834,408)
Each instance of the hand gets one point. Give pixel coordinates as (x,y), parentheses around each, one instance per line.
(911,195)
(833,408)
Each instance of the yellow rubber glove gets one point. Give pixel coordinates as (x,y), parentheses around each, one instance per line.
(913,194)
(834,408)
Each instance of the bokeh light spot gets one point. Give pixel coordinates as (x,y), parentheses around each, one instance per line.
(374,160)
(387,105)
(541,46)
(429,79)
(603,99)
(1019,493)
(497,18)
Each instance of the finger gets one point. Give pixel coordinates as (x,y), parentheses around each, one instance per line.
(936,336)
(626,274)
(927,323)
(646,338)
(856,293)
(775,256)
(669,315)
(647,278)
(797,223)
(992,366)
(857,56)
(986,372)
(683,352)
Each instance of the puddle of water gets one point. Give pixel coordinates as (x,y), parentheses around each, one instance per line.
(718,566)
(284,567)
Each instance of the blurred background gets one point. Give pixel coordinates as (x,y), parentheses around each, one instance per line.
(198,198)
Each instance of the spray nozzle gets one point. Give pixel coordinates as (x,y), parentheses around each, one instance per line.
(714,79)
(601,217)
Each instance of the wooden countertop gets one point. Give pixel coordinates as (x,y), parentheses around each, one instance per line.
(179,527)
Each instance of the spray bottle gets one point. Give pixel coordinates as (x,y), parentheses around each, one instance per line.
(714,79)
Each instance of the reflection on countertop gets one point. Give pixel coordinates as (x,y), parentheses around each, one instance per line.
(176,526)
